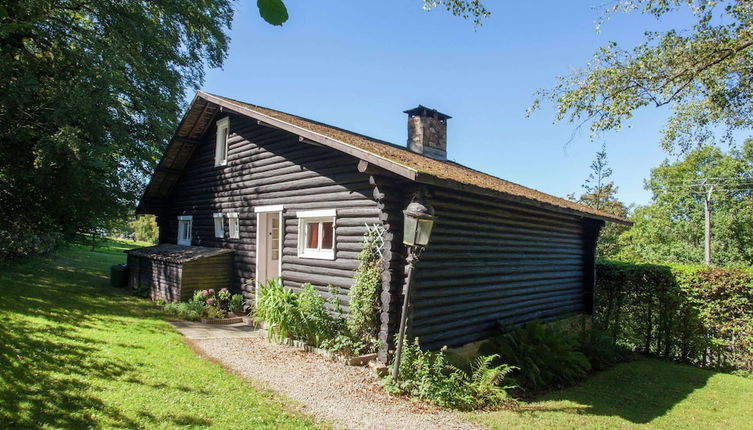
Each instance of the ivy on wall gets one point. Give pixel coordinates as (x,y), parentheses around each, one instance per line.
(363,313)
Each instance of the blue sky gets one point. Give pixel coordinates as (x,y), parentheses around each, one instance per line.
(358,65)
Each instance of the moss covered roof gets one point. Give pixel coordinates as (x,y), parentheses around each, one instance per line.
(428,169)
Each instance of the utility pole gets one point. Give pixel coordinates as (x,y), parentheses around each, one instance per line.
(735,187)
(707,205)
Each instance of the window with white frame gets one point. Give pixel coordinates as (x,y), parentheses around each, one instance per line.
(316,234)
(219,225)
(220,151)
(233,225)
(184,230)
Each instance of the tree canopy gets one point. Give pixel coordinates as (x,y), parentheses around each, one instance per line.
(671,228)
(89,93)
(703,73)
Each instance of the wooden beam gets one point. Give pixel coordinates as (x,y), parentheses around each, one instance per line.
(187,140)
(370,169)
(169,170)
(302,139)
(198,118)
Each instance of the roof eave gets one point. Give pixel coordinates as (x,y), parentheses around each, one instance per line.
(446,183)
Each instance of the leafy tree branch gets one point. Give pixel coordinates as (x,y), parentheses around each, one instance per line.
(703,74)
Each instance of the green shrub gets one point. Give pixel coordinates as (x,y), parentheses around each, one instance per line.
(195,306)
(698,315)
(601,352)
(278,307)
(317,325)
(428,376)
(363,309)
(347,344)
(190,310)
(236,303)
(223,295)
(302,316)
(17,243)
(214,311)
(202,304)
(545,355)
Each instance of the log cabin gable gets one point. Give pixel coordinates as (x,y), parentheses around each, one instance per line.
(271,168)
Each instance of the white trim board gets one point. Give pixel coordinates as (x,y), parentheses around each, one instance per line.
(271,208)
(317,213)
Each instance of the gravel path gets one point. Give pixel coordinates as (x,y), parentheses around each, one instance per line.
(345,396)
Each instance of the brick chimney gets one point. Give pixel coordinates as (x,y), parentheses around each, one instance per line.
(427,132)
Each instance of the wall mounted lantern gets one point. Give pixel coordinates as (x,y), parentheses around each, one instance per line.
(417,224)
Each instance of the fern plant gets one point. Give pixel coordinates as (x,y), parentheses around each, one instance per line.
(486,381)
(428,376)
(546,356)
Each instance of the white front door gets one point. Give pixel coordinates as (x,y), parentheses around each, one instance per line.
(273,245)
(269,235)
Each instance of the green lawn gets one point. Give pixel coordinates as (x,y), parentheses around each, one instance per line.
(76,353)
(646,394)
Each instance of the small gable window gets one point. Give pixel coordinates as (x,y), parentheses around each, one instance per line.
(219,225)
(184,230)
(233,225)
(316,234)
(220,151)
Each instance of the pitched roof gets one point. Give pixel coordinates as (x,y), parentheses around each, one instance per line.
(394,158)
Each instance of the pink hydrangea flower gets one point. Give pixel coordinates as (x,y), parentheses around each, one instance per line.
(223,290)
(204,293)
(211,291)
(210,301)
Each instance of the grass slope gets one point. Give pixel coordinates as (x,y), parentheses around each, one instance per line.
(75,353)
(638,395)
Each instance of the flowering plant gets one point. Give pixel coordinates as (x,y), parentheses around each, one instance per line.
(217,304)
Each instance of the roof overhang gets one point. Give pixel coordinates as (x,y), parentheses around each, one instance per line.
(205,106)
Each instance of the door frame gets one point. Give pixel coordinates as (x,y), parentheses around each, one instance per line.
(262,229)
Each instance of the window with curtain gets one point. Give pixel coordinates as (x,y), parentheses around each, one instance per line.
(316,234)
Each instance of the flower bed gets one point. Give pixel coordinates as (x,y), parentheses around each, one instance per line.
(210,306)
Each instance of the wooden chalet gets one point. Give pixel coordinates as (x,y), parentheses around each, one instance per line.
(293,198)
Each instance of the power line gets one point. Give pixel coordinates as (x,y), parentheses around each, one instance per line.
(707,187)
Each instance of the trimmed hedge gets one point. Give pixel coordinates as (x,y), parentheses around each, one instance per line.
(699,315)
(15,245)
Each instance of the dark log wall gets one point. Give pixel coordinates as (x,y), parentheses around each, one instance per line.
(393,196)
(267,166)
(160,277)
(489,262)
(204,273)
